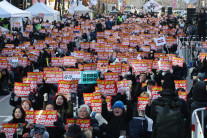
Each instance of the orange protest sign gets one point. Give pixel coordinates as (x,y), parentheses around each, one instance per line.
(65,87)
(142,102)
(177,61)
(154,92)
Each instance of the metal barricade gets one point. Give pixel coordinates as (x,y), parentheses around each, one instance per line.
(197,130)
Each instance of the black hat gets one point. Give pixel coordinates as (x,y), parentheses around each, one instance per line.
(199,92)
(73,130)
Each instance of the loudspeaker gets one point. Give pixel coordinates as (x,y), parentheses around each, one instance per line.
(169,10)
(191,12)
(163,10)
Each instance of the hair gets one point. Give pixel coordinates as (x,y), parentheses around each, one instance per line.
(65,104)
(21,109)
(151,82)
(30,105)
(144,94)
(87,108)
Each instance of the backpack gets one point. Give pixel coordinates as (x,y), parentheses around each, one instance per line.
(168,118)
(138,127)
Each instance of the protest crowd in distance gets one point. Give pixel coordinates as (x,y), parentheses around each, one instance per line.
(113,76)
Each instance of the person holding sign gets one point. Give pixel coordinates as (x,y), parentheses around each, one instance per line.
(84,113)
(64,107)
(118,119)
(19,117)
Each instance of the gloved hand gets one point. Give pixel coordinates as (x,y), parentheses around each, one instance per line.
(32,97)
(13,95)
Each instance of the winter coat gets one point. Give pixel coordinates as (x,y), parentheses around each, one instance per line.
(202,24)
(116,124)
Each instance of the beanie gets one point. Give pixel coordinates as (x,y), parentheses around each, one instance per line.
(118,104)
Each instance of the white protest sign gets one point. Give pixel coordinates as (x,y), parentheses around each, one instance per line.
(160,41)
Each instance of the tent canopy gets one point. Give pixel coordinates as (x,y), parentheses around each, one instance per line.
(7,10)
(79,9)
(42,8)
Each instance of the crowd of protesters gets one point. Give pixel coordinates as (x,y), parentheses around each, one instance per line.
(123,40)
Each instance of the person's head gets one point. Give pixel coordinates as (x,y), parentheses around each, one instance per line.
(118,108)
(144,94)
(74,131)
(202,10)
(26,105)
(84,111)
(18,112)
(50,106)
(199,92)
(168,83)
(142,77)
(40,132)
(59,100)
(150,83)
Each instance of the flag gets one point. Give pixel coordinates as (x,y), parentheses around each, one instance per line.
(152,5)
(92,2)
(72,3)
(120,3)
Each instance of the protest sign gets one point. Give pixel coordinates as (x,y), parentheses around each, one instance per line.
(83,123)
(65,87)
(154,92)
(115,68)
(181,84)
(89,77)
(72,75)
(56,61)
(142,102)
(29,116)
(177,61)
(91,66)
(124,85)
(159,41)
(22,89)
(182,95)
(69,61)
(9,129)
(38,75)
(45,117)
(139,66)
(107,87)
(53,76)
(164,66)
(32,81)
(111,76)
(96,104)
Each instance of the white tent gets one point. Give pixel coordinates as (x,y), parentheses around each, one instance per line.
(80,9)
(7,10)
(49,14)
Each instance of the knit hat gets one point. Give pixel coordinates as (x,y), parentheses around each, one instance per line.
(199,92)
(73,130)
(168,81)
(118,104)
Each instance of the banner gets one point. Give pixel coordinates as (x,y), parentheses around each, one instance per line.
(29,116)
(177,61)
(22,89)
(181,84)
(152,5)
(65,87)
(160,41)
(53,76)
(142,102)
(107,87)
(154,92)
(45,117)
(83,123)
(89,77)
(111,76)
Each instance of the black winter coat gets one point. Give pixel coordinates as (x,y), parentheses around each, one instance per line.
(116,124)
